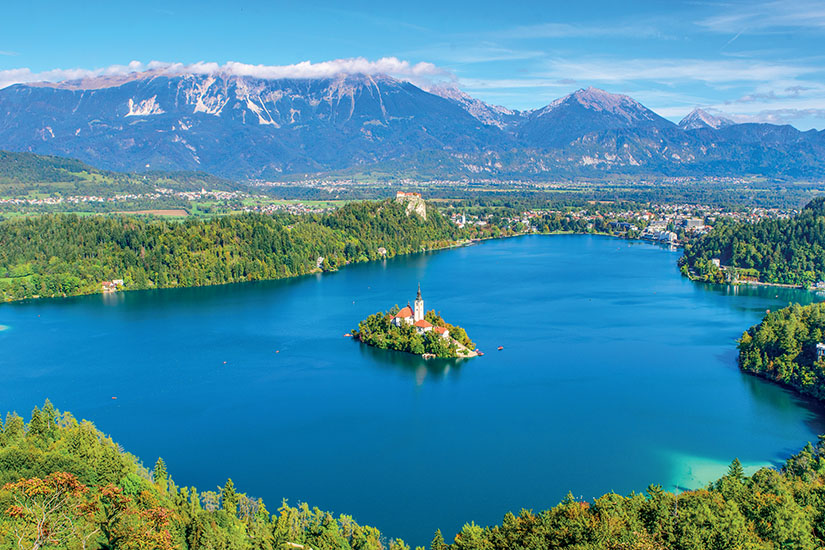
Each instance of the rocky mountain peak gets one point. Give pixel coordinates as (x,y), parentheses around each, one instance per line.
(699,118)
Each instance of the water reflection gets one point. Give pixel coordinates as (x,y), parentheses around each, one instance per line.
(779,294)
(783,402)
(421,369)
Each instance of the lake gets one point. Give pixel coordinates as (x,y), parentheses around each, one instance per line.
(616,373)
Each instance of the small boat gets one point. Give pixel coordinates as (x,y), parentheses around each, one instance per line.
(479,353)
(114,397)
(347,335)
(277,351)
(500,348)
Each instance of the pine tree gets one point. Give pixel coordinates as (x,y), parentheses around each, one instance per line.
(160,475)
(438,541)
(36,428)
(229,498)
(50,415)
(735,470)
(262,514)
(195,499)
(14,429)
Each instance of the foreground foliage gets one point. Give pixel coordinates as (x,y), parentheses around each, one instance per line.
(57,255)
(783,348)
(786,251)
(64,485)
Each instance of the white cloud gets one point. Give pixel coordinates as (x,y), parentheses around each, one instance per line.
(617,29)
(669,71)
(786,116)
(467,53)
(764,16)
(417,72)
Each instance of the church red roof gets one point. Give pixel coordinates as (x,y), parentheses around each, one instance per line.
(440,330)
(423,324)
(404,313)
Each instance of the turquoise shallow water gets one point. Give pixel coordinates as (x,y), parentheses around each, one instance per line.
(616,373)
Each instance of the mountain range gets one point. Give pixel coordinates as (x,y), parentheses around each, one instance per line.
(250,128)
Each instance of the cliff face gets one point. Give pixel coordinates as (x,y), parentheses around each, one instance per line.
(414,204)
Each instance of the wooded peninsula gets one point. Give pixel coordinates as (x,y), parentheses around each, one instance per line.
(783,348)
(67,255)
(786,251)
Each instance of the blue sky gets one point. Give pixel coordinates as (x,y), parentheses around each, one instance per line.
(752,60)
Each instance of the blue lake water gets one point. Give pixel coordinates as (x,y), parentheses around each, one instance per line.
(616,373)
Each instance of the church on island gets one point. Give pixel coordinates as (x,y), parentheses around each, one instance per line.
(415,317)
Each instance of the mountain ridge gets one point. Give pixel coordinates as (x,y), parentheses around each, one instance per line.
(253,128)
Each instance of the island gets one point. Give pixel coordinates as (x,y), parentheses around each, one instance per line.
(411,330)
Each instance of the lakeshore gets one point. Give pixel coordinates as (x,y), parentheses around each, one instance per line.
(607,354)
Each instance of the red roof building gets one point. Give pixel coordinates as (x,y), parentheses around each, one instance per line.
(404,313)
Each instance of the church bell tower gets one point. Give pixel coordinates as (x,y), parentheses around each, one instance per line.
(418,314)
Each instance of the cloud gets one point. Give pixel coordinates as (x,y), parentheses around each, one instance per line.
(9,53)
(782,116)
(669,71)
(782,92)
(650,29)
(416,72)
(764,16)
(484,52)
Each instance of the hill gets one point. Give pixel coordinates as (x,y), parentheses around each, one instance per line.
(24,174)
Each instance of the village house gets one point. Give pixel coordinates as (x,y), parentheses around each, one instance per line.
(113,285)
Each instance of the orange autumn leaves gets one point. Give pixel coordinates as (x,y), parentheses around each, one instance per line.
(58,509)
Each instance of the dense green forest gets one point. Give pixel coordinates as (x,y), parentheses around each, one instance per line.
(788,251)
(783,348)
(378,330)
(64,254)
(65,485)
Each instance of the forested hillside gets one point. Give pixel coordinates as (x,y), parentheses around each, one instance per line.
(783,348)
(22,174)
(65,485)
(789,251)
(56,255)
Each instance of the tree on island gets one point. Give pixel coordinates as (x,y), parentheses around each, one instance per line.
(378,331)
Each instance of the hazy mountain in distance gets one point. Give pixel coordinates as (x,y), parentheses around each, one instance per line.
(252,128)
(699,118)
